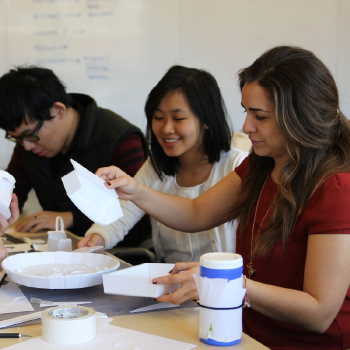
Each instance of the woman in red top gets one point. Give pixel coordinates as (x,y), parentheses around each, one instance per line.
(291,196)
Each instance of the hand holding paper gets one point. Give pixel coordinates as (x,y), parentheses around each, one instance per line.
(137,281)
(187,290)
(91,241)
(116,179)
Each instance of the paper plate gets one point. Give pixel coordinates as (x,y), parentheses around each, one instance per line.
(59,270)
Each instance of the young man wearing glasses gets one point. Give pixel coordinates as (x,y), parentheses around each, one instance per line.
(50,127)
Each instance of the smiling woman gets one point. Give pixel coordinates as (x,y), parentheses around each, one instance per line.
(190,142)
(180,135)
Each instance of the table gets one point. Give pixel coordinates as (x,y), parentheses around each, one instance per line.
(178,324)
(181,325)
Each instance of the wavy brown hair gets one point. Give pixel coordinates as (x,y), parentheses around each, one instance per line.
(307,110)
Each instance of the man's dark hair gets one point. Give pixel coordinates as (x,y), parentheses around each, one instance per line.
(27,94)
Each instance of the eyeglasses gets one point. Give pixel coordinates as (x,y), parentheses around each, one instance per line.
(29,137)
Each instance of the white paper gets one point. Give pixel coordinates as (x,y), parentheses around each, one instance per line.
(33,240)
(61,303)
(13,300)
(111,338)
(20,319)
(220,325)
(154,307)
(137,281)
(58,241)
(18,247)
(218,292)
(39,247)
(88,192)
(88,249)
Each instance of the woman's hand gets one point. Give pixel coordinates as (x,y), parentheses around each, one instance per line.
(125,186)
(4,224)
(92,240)
(44,220)
(176,212)
(181,273)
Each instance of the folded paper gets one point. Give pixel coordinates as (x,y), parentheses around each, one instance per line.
(57,240)
(12,299)
(137,281)
(88,192)
(20,319)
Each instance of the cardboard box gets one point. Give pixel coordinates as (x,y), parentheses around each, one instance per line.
(137,281)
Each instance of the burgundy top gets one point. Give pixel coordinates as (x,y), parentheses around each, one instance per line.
(327,212)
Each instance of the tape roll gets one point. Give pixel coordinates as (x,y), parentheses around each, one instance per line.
(68,325)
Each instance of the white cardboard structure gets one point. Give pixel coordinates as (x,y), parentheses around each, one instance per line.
(59,270)
(7,183)
(88,192)
(57,240)
(137,281)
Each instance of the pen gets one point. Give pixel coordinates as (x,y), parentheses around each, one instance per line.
(13,239)
(13,335)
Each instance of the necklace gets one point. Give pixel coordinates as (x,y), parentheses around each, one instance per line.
(250,266)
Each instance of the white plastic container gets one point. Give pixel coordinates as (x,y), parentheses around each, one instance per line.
(221,298)
(7,184)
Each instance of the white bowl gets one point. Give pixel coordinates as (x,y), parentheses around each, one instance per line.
(59,270)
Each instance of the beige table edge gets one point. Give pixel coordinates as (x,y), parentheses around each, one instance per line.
(180,324)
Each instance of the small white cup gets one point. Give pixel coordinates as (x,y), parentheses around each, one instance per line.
(7,184)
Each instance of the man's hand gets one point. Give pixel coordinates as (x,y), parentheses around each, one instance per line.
(44,220)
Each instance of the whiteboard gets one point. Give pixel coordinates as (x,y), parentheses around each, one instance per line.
(117,50)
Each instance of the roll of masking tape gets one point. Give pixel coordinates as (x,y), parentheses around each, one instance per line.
(68,325)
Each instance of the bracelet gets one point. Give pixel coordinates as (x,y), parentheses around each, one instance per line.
(246,302)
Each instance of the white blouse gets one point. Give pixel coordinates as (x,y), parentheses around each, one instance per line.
(170,245)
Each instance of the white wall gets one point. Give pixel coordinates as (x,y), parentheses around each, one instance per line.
(117,50)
